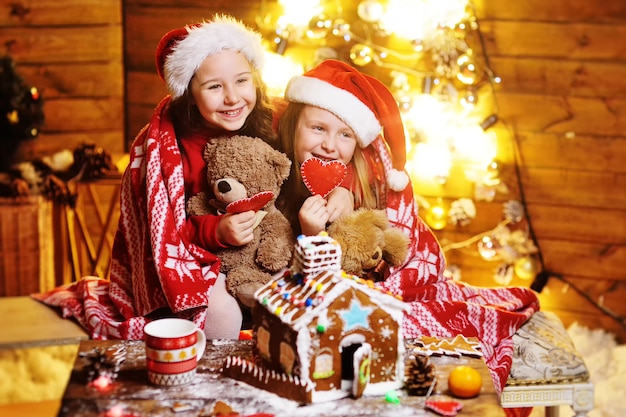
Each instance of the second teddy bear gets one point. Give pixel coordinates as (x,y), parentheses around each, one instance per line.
(367,240)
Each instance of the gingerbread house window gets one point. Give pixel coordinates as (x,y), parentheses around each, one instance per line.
(287,357)
(324,364)
(263,342)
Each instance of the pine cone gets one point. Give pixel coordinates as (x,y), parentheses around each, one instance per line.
(419,374)
(92,162)
(55,189)
(104,362)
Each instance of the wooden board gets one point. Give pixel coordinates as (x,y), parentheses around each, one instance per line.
(35,324)
(133,393)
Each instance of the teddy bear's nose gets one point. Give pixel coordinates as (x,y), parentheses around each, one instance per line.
(223,187)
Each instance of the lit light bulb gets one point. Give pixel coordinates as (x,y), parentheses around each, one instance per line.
(279,68)
(370,11)
(430,161)
(13,117)
(526,267)
(34,93)
(487,248)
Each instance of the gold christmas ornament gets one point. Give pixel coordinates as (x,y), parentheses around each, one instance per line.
(361,54)
(487,248)
(341,28)
(437,217)
(526,267)
(467,71)
(319,26)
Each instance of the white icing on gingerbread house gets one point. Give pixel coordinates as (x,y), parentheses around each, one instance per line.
(316,254)
(333,334)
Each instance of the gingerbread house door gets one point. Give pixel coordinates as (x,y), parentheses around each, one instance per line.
(362,363)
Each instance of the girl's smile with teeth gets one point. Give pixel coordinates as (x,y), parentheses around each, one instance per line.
(235,112)
(223,81)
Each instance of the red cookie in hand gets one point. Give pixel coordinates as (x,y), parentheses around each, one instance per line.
(256,202)
(321,177)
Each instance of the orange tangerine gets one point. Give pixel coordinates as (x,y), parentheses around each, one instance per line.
(465,382)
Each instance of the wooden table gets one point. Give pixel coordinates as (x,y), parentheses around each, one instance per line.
(132,392)
(28,323)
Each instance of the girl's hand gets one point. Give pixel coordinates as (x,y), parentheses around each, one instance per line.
(340,202)
(313,215)
(236,229)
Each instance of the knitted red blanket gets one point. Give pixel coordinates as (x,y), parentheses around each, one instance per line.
(440,306)
(153,266)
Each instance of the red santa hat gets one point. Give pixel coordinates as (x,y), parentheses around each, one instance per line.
(180,52)
(363,103)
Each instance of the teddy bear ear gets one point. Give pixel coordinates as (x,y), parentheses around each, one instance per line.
(281,162)
(376,217)
(396,246)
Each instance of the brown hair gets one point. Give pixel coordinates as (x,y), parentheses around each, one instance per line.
(187,119)
(294,192)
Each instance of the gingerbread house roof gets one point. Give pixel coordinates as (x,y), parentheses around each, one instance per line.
(303,292)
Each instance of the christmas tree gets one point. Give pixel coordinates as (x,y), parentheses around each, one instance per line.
(21,112)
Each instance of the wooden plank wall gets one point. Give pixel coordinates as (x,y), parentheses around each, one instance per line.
(564,83)
(71,50)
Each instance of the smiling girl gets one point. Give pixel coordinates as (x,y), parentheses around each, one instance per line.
(331,115)
(163,261)
(335,112)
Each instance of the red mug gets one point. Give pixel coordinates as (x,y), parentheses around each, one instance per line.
(173,348)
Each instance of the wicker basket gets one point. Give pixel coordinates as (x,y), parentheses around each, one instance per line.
(26,246)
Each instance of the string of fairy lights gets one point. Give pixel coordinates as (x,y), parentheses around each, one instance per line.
(423,50)
(431,54)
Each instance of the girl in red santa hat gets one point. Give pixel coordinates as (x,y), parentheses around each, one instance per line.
(336,112)
(162,262)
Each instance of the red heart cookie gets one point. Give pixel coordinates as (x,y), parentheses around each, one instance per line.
(444,408)
(321,177)
(256,202)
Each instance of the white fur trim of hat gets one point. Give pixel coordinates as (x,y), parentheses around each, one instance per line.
(206,39)
(343,104)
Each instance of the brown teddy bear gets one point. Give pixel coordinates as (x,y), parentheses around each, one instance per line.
(245,173)
(367,242)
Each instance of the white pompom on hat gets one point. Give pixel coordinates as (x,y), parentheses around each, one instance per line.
(180,52)
(364,103)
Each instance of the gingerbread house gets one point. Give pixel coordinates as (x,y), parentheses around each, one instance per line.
(320,334)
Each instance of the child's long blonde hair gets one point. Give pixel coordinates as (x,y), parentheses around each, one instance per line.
(294,192)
